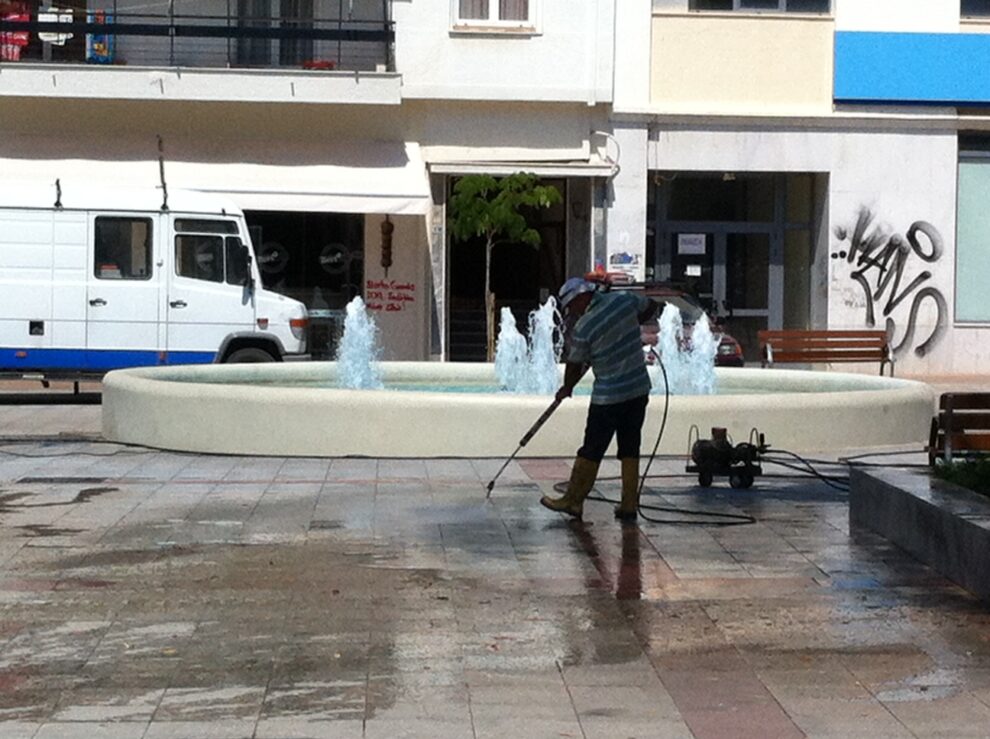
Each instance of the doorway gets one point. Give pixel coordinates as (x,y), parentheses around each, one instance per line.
(741,243)
(729,271)
(522,278)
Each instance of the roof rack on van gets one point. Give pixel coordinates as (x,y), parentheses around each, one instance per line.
(161,173)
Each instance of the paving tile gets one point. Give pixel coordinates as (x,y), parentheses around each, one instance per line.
(18,729)
(303,728)
(836,717)
(109,704)
(623,703)
(313,596)
(417,729)
(531,728)
(92,730)
(223,729)
(613,728)
(943,712)
(210,704)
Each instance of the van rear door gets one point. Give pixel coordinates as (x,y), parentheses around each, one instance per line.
(208,299)
(123,291)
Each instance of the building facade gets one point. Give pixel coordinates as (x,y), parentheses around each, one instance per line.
(812,164)
(797,163)
(338,127)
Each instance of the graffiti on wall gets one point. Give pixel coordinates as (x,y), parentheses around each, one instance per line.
(879,260)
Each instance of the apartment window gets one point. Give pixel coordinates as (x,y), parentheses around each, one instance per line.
(494,12)
(122,249)
(977,8)
(973,231)
(766,6)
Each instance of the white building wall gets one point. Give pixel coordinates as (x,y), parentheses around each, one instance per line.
(400,300)
(632,55)
(928,16)
(625,225)
(903,187)
(567,58)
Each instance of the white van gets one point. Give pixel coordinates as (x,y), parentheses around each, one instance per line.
(94,279)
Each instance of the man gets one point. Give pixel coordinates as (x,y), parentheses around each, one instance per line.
(603,332)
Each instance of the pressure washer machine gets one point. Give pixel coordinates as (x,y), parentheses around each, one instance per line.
(717,457)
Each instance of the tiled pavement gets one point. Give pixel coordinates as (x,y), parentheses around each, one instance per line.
(156,595)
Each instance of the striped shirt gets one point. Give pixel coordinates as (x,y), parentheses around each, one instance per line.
(607,337)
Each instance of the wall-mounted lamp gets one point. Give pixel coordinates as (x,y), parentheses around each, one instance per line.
(387,228)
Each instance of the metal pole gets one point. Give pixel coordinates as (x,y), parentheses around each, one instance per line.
(171,33)
(228,34)
(524,441)
(386,15)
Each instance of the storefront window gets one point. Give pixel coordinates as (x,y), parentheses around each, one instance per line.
(973,240)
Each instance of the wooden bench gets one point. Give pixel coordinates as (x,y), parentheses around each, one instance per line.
(961,428)
(799,346)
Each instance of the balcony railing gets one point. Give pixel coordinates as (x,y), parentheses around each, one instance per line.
(201,40)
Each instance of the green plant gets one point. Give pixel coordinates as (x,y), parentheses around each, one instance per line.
(969,473)
(493,209)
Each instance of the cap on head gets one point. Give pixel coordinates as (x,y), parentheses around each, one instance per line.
(572,288)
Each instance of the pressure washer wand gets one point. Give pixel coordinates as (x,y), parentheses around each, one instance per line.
(524,441)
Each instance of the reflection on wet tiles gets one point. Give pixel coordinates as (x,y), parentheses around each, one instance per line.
(210,704)
(317,701)
(331,598)
(117,704)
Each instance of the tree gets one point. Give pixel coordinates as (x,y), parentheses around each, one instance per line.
(483,206)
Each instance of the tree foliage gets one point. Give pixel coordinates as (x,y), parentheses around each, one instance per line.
(491,208)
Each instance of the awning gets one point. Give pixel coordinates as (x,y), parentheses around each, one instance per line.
(595,167)
(345,177)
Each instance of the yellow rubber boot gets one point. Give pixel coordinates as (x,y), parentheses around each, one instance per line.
(583,476)
(629,508)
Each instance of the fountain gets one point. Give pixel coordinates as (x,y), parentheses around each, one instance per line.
(359,352)
(510,353)
(533,366)
(432,409)
(689,362)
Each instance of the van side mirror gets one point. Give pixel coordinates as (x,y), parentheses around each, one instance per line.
(245,254)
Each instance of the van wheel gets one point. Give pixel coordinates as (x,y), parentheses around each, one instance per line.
(248,355)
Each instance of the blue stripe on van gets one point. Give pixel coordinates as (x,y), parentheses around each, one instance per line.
(92,360)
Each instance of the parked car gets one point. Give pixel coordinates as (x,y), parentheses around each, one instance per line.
(729,354)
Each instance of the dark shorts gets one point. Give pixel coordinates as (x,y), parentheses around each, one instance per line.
(622,420)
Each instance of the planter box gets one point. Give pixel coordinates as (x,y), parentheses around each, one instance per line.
(943,525)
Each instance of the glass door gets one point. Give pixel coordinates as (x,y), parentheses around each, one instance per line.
(744,292)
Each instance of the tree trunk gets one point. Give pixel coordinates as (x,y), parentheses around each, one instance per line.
(489,302)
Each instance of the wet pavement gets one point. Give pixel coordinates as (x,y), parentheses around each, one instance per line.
(152,595)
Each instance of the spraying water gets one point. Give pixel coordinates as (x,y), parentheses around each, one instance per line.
(530,366)
(701,358)
(689,363)
(510,353)
(359,352)
(545,346)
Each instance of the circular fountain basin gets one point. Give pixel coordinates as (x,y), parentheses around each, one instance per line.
(294,410)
